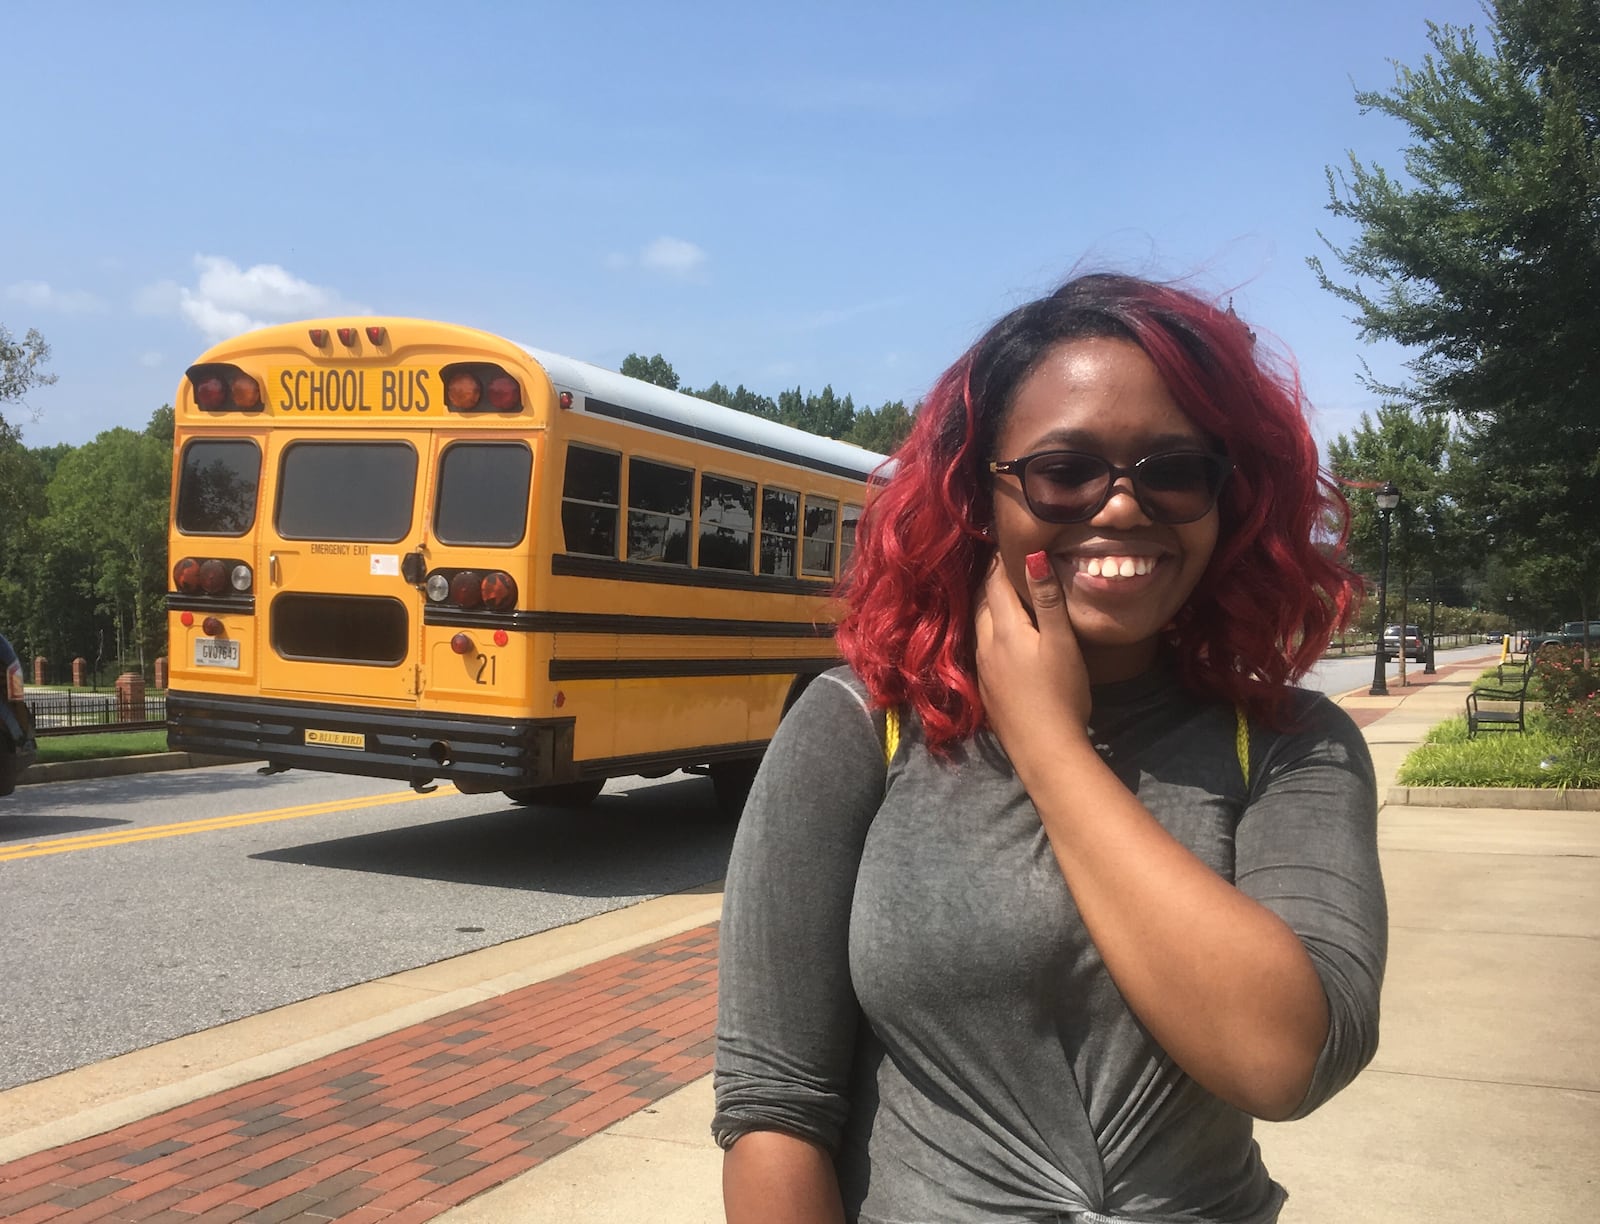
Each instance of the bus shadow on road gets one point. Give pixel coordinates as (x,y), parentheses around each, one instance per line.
(28,825)
(654,839)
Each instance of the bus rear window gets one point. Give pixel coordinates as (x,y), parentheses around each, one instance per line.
(340,629)
(483,494)
(347,491)
(217,488)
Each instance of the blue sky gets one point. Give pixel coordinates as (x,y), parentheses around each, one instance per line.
(827,193)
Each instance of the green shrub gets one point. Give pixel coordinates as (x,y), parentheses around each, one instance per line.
(1538,758)
(1571,693)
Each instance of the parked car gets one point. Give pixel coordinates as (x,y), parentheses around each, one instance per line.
(1570,634)
(1494,635)
(1415,647)
(17,745)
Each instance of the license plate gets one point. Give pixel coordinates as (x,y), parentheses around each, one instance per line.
(336,739)
(216,652)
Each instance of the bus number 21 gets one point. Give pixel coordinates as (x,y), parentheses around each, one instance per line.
(485,664)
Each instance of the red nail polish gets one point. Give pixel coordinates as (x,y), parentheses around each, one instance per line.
(1038,566)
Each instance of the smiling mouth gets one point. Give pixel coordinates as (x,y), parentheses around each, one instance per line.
(1114,567)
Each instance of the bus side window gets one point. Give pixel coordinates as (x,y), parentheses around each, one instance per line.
(727,521)
(590,501)
(780,531)
(847,535)
(822,515)
(658,512)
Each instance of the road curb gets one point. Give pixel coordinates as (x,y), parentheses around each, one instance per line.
(116,767)
(1519,798)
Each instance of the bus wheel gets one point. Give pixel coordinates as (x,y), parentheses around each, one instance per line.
(564,794)
(731,780)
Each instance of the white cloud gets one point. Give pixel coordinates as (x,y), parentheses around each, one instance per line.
(673,256)
(227,299)
(41,296)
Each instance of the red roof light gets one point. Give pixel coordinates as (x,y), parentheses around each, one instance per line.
(210,393)
(347,337)
(375,334)
(245,392)
(463,391)
(504,394)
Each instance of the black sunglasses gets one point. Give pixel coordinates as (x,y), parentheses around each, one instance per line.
(1063,486)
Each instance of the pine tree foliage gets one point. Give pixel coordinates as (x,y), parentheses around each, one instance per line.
(1484,257)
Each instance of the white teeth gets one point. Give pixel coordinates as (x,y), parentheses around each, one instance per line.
(1114,567)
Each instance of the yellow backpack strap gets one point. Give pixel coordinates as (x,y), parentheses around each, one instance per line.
(1241,742)
(891,734)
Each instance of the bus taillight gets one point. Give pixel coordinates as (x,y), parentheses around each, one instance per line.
(213,576)
(466,590)
(498,590)
(495,591)
(219,387)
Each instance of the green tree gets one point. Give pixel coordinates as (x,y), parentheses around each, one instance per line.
(740,398)
(108,511)
(881,429)
(22,500)
(657,370)
(1413,451)
(19,364)
(821,413)
(1485,259)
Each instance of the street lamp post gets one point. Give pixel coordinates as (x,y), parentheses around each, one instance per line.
(1387,498)
(1433,600)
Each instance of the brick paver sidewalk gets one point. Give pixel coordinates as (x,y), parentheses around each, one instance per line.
(404,1127)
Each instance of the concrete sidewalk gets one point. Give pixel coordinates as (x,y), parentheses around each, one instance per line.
(540,1080)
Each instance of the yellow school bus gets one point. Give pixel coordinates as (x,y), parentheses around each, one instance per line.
(412,550)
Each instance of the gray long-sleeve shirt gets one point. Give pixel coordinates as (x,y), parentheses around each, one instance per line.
(906,980)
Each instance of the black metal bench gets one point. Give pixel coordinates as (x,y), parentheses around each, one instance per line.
(1500,719)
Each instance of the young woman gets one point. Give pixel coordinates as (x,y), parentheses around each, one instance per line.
(1038,904)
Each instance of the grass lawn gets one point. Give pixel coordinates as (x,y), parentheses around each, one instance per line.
(1497,758)
(108,744)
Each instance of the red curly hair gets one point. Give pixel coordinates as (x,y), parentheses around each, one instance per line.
(1271,597)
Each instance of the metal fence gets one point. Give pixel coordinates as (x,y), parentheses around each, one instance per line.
(78,713)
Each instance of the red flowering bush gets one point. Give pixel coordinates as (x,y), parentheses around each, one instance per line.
(1571,698)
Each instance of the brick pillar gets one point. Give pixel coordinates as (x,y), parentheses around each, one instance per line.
(80,672)
(39,664)
(161,673)
(130,697)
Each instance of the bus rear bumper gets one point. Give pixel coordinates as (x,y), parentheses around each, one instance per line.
(476,754)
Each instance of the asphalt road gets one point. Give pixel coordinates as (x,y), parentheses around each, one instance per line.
(138,909)
(141,908)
